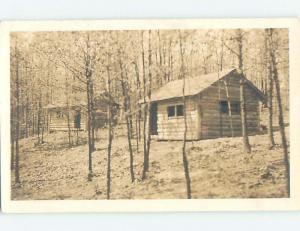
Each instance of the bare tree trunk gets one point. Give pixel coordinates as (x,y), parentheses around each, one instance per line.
(12,140)
(17,173)
(270,112)
(148,136)
(110,137)
(138,113)
(280,110)
(69,126)
(39,119)
(33,123)
(43,124)
(26,118)
(92,115)
(68,109)
(89,121)
(184,156)
(282,129)
(145,107)
(247,148)
(88,76)
(169,60)
(270,98)
(229,108)
(129,145)
(149,98)
(126,105)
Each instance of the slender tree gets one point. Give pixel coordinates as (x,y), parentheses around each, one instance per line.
(12,138)
(270,92)
(127,111)
(145,108)
(280,109)
(17,57)
(239,39)
(148,114)
(247,147)
(110,130)
(184,155)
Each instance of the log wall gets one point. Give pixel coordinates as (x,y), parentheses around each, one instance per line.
(172,128)
(214,123)
(204,117)
(61,123)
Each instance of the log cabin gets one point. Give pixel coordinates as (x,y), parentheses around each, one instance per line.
(212,107)
(57,117)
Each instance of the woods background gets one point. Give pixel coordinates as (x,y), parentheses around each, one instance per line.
(125,67)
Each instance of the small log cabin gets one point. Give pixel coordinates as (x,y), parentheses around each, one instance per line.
(57,116)
(212,107)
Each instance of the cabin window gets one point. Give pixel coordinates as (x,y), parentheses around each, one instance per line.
(59,114)
(171,111)
(224,107)
(235,107)
(176,110)
(179,110)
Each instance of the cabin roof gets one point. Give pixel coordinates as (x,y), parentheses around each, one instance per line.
(63,105)
(194,86)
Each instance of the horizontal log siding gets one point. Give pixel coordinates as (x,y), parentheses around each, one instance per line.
(61,124)
(215,124)
(172,128)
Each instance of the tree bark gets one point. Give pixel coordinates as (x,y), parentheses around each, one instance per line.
(92,115)
(149,98)
(138,113)
(39,119)
(126,105)
(17,173)
(145,108)
(110,136)
(148,136)
(90,150)
(270,95)
(12,140)
(229,108)
(280,110)
(184,155)
(88,77)
(247,148)
(68,110)
(270,110)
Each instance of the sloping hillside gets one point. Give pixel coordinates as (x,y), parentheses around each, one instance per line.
(218,169)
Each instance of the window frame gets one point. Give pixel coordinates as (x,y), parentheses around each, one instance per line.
(174,111)
(235,107)
(175,106)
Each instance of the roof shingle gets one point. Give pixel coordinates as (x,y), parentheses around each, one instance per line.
(193,86)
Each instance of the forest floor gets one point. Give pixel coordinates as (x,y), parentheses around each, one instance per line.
(218,169)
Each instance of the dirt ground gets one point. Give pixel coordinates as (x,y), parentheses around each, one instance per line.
(218,169)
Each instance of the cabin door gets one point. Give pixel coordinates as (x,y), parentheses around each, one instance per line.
(77,120)
(199,118)
(153,121)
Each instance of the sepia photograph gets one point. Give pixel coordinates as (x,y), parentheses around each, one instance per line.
(140,114)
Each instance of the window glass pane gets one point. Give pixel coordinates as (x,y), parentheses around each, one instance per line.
(224,106)
(179,110)
(171,111)
(235,108)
